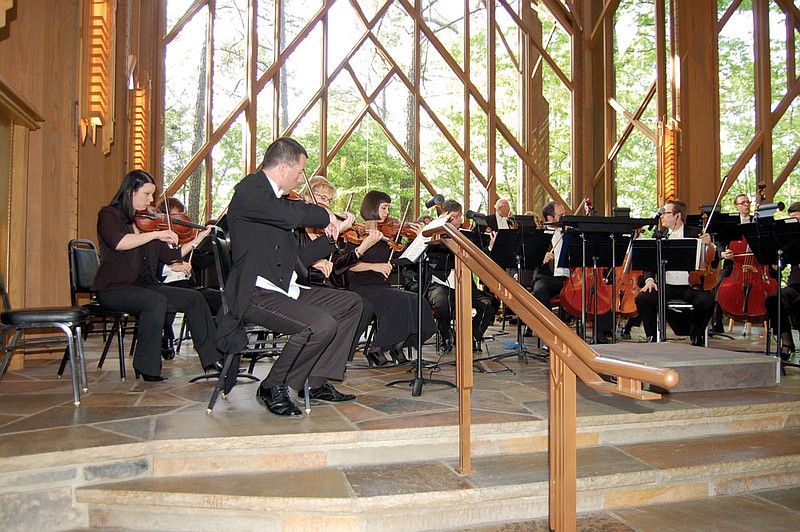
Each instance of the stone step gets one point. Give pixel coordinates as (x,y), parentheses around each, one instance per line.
(430,495)
(437,437)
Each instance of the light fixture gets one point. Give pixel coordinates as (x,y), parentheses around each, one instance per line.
(98,80)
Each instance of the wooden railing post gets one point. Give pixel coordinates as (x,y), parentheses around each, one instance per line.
(464,362)
(563,446)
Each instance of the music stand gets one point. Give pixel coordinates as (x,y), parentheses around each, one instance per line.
(415,253)
(661,255)
(513,248)
(774,242)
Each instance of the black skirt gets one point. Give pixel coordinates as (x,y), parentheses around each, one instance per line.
(396,311)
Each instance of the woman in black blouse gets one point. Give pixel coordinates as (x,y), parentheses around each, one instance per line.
(128,279)
(395,309)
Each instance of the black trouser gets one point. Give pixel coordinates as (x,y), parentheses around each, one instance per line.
(443,301)
(790,299)
(702,301)
(149,304)
(322,322)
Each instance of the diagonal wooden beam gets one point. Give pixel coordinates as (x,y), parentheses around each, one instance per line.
(728,14)
(649,133)
(790,165)
(190,13)
(741,161)
(609,8)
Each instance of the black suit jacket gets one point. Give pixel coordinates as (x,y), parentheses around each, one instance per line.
(263,243)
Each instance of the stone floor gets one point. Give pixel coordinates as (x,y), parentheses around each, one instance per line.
(37,416)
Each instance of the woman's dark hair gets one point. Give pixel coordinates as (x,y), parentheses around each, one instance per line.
(130,184)
(174,204)
(371,202)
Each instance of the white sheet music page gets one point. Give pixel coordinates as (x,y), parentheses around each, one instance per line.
(418,245)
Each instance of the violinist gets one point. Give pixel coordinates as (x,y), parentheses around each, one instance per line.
(329,271)
(790,301)
(676,283)
(395,309)
(441,292)
(501,219)
(742,205)
(263,286)
(127,279)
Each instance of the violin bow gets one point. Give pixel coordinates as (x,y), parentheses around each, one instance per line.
(399,230)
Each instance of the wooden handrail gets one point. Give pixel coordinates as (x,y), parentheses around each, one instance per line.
(570,356)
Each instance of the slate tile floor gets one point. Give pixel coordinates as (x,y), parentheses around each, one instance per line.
(36,415)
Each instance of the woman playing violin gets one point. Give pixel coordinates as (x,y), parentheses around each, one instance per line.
(127,279)
(395,309)
(330,272)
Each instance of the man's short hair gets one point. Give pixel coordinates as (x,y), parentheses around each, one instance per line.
(794,207)
(678,207)
(284,150)
(549,209)
(451,206)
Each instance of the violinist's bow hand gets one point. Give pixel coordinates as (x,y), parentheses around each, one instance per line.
(347,222)
(168,236)
(705,238)
(332,231)
(548,257)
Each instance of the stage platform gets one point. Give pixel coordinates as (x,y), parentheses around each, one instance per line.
(700,368)
(146,456)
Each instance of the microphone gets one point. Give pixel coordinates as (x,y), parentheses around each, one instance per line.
(659,213)
(472,215)
(765,210)
(436,199)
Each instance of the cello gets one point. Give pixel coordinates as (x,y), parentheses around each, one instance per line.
(742,294)
(575,292)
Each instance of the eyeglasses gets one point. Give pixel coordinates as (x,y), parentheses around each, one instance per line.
(323,197)
(745,202)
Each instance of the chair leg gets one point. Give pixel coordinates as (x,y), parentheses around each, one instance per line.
(81,358)
(181,335)
(306,397)
(7,356)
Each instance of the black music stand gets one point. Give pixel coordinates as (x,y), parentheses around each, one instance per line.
(517,249)
(661,255)
(421,260)
(774,242)
(595,250)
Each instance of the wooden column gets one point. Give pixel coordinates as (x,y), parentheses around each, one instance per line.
(696,97)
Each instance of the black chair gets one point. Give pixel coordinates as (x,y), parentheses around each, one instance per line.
(83,265)
(678,323)
(267,343)
(68,320)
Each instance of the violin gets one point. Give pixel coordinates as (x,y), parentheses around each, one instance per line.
(152,219)
(627,284)
(742,294)
(391,226)
(575,292)
(358,232)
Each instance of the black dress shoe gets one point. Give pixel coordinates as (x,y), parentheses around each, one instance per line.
(327,393)
(476,346)
(215,366)
(149,378)
(717,328)
(277,401)
(698,341)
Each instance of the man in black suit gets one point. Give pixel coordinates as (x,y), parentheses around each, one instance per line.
(501,217)
(263,285)
(676,284)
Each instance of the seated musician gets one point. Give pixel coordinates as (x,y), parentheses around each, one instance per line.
(742,204)
(127,277)
(441,292)
(549,278)
(395,309)
(790,300)
(676,284)
(501,217)
(263,287)
(330,271)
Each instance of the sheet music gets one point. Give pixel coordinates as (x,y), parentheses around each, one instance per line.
(418,245)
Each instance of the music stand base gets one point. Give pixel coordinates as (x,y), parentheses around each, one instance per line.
(417,382)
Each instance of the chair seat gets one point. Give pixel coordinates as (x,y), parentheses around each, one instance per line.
(45,314)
